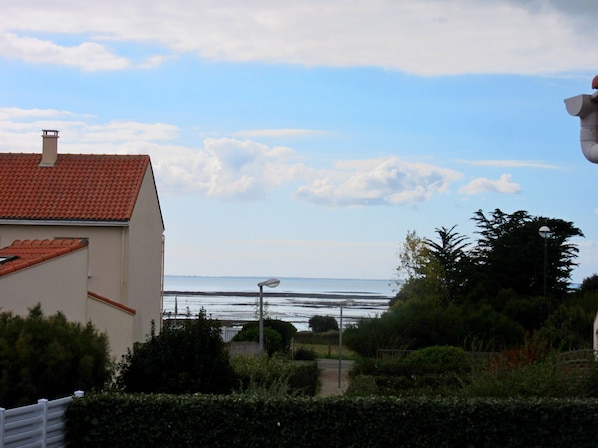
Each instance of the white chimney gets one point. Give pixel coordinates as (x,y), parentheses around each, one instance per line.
(49,147)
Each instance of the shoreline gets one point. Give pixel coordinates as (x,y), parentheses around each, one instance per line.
(312,295)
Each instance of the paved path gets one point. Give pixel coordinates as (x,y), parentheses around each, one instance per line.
(329,376)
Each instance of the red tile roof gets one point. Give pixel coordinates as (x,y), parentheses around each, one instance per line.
(31,252)
(77,188)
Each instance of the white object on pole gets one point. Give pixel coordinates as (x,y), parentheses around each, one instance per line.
(586,108)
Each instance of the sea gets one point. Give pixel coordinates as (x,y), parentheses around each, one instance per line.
(235,300)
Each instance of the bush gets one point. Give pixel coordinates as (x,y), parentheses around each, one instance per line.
(272,338)
(439,371)
(286,330)
(49,357)
(275,376)
(186,359)
(305,354)
(322,324)
(439,359)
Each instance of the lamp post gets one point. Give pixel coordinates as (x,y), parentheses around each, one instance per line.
(545,233)
(340,340)
(270,283)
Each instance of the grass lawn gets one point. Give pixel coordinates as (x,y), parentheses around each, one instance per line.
(325,345)
(329,351)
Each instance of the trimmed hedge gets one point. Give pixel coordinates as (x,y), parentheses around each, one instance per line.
(117,420)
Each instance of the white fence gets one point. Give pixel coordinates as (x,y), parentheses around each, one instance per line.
(38,425)
(228,333)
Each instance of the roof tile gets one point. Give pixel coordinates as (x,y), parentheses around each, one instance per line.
(77,188)
(31,252)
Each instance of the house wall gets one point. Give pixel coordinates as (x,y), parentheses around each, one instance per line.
(59,284)
(105,249)
(125,262)
(145,259)
(117,323)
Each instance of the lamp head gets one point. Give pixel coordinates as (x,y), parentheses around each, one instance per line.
(270,283)
(545,232)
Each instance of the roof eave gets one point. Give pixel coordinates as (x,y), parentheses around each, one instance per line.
(64,222)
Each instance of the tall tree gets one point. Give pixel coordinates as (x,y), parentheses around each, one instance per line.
(510,253)
(419,272)
(451,256)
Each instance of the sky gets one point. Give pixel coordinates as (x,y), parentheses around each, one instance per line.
(306,138)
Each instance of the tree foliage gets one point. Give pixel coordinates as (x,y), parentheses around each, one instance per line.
(451,259)
(49,357)
(322,324)
(510,253)
(188,358)
(485,294)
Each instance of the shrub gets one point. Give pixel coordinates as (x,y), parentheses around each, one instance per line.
(305,354)
(437,371)
(186,359)
(272,338)
(322,324)
(274,376)
(439,359)
(286,330)
(49,357)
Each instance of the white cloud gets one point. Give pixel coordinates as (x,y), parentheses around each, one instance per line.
(228,168)
(87,56)
(257,133)
(512,164)
(373,182)
(483,185)
(427,37)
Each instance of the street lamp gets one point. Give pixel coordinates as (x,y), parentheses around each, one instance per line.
(545,233)
(340,340)
(270,283)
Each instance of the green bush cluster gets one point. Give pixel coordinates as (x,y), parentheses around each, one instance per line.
(49,357)
(278,335)
(433,370)
(322,324)
(102,420)
(275,375)
(304,354)
(448,371)
(188,358)
(439,359)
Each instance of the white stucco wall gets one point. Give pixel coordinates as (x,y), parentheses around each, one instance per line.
(145,259)
(59,284)
(104,251)
(115,322)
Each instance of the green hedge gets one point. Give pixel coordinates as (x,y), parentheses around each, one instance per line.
(108,420)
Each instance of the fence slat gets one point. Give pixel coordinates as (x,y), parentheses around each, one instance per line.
(2,411)
(38,425)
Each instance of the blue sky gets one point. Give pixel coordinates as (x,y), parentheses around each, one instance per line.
(305,138)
